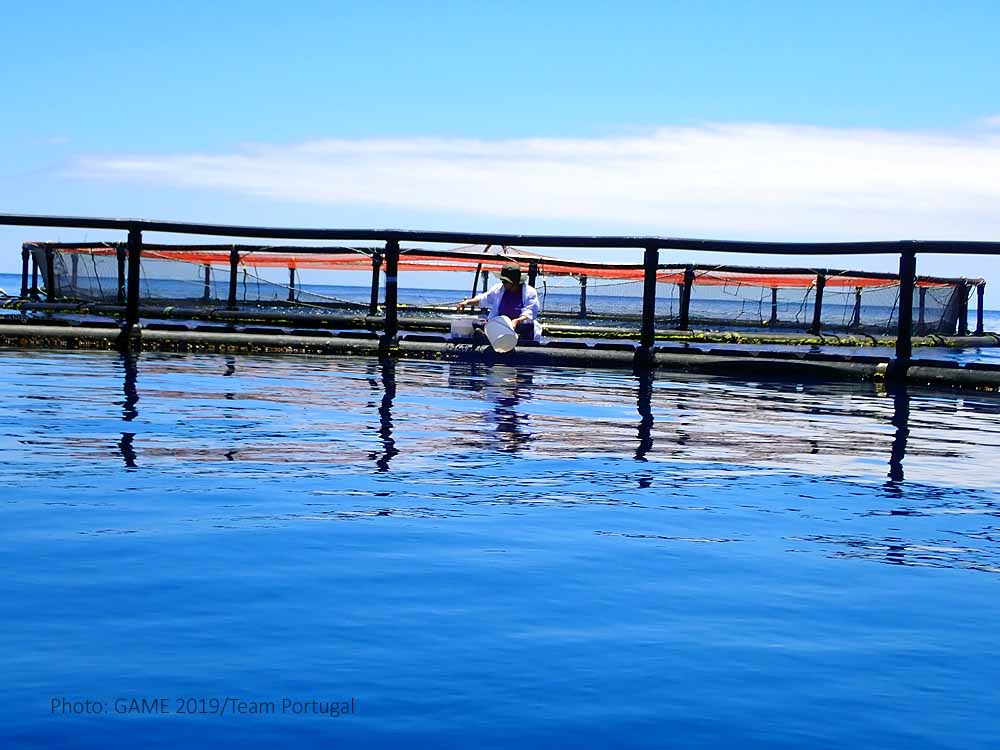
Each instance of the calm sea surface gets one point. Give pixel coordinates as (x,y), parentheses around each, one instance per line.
(490,557)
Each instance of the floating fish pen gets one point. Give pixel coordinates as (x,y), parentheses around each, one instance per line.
(393,293)
(261,283)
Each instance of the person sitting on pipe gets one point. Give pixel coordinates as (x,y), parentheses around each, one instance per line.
(513,298)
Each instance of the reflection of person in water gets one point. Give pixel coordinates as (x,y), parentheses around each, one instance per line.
(508,388)
(513,298)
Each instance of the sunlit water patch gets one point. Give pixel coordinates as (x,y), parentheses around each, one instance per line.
(487,556)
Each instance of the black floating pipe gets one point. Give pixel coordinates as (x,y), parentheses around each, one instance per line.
(922,312)
(206,293)
(818,307)
(980,291)
(134,260)
(25,256)
(583,296)
(391,291)
(376,270)
(907,280)
(685,311)
(50,272)
(121,257)
(291,283)
(774,305)
(234,272)
(650,261)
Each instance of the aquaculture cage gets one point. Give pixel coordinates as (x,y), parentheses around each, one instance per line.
(602,296)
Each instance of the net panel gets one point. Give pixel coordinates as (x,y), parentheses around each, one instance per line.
(88,275)
(431,281)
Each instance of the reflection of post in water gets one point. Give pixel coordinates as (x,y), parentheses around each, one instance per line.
(388,367)
(901,421)
(644,406)
(130,365)
(510,386)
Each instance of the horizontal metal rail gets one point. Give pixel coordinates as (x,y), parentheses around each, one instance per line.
(894,247)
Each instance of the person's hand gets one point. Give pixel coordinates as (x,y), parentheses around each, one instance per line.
(461,304)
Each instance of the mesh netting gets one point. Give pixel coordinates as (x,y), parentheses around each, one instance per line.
(431,281)
(87,274)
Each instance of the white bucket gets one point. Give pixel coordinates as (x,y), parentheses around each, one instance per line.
(501,334)
(461,328)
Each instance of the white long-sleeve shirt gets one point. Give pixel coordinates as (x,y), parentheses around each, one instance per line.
(530,308)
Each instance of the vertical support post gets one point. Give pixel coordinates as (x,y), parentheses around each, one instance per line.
(907,280)
(818,307)
(25,257)
(532,272)
(583,296)
(475,279)
(51,292)
(74,277)
(391,327)
(685,311)
(856,315)
(134,255)
(963,313)
(650,264)
(774,306)
(922,310)
(484,276)
(234,272)
(291,283)
(121,257)
(34,277)
(376,270)
(980,291)
(206,293)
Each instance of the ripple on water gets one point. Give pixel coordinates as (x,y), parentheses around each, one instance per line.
(594,557)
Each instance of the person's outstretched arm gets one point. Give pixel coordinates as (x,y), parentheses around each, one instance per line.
(470,301)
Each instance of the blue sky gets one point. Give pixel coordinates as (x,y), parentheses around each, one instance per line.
(784,121)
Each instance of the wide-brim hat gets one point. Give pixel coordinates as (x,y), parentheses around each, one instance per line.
(511,273)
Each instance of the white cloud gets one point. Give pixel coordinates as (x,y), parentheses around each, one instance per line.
(738,180)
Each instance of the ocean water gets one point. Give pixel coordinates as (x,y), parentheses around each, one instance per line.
(449,555)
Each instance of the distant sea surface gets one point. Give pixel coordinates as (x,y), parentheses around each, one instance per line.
(453,556)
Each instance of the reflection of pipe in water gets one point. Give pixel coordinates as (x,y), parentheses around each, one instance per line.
(387,365)
(127,450)
(901,421)
(644,407)
(130,366)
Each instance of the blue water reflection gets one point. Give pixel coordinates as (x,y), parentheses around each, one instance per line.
(493,556)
